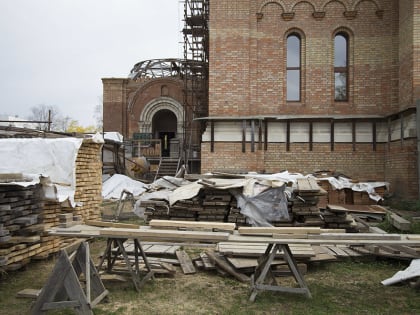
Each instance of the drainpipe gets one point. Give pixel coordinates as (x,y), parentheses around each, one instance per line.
(418,143)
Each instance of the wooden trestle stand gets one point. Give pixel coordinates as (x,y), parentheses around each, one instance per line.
(133,269)
(263,279)
(63,289)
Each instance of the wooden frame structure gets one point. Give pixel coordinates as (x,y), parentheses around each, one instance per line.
(63,289)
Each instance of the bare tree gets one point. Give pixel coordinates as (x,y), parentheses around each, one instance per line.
(99,115)
(46,116)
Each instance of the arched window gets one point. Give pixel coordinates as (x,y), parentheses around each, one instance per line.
(341,67)
(293,67)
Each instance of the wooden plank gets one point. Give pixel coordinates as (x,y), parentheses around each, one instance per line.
(403,240)
(172,235)
(356,236)
(399,222)
(207,263)
(256,250)
(226,267)
(374,209)
(278,230)
(112,224)
(242,263)
(186,262)
(28,293)
(215,226)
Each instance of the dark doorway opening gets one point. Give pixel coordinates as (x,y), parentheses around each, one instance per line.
(165,138)
(164,127)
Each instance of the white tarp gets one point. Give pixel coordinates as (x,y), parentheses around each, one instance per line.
(113,186)
(369,187)
(53,158)
(412,271)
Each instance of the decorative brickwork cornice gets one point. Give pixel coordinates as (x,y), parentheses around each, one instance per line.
(350,15)
(318,15)
(288,16)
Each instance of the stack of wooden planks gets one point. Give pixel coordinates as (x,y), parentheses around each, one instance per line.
(305,203)
(21,225)
(88,181)
(216,205)
(346,196)
(210,205)
(25,217)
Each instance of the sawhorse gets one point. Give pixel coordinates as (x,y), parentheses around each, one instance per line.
(133,268)
(263,273)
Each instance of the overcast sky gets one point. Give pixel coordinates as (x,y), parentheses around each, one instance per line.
(55,52)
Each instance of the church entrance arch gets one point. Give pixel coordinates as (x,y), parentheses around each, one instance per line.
(164,128)
(163,119)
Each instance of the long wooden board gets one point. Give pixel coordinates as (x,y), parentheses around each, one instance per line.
(174,235)
(278,230)
(186,262)
(192,224)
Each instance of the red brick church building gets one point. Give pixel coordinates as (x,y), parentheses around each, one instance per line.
(289,84)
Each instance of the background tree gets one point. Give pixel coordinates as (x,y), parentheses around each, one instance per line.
(99,115)
(74,126)
(45,115)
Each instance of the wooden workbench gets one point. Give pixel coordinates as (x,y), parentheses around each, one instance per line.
(262,279)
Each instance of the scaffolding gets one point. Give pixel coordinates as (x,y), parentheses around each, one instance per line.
(196,70)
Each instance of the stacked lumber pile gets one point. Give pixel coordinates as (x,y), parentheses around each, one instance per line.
(216,205)
(88,182)
(235,215)
(21,224)
(156,209)
(304,207)
(25,217)
(210,205)
(186,209)
(346,196)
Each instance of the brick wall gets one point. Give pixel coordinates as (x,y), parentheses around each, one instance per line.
(247,57)
(248,77)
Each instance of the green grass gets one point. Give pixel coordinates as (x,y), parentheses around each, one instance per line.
(349,287)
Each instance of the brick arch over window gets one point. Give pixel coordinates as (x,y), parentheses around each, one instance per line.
(357,3)
(278,2)
(326,2)
(154,106)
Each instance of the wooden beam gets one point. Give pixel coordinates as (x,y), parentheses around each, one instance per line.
(311,135)
(224,265)
(243,136)
(332,135)
(265,135)
(374,140)
(211,136)
(278,230)
(193,224)
(112,224)
(252,136)
(155,234)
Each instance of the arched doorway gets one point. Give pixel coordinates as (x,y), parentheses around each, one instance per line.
(164,127)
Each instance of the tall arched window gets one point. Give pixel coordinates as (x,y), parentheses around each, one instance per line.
(341,67)
(293,67)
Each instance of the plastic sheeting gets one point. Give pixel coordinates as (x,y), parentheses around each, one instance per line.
(269,205)
(260,200)
(114,186)
(412,271)
(369,187)
(53,158)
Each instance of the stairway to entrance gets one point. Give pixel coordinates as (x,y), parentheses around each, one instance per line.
(168,167)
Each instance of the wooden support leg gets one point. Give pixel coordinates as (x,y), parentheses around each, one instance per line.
(134,273)
(133,269)
(259,279)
